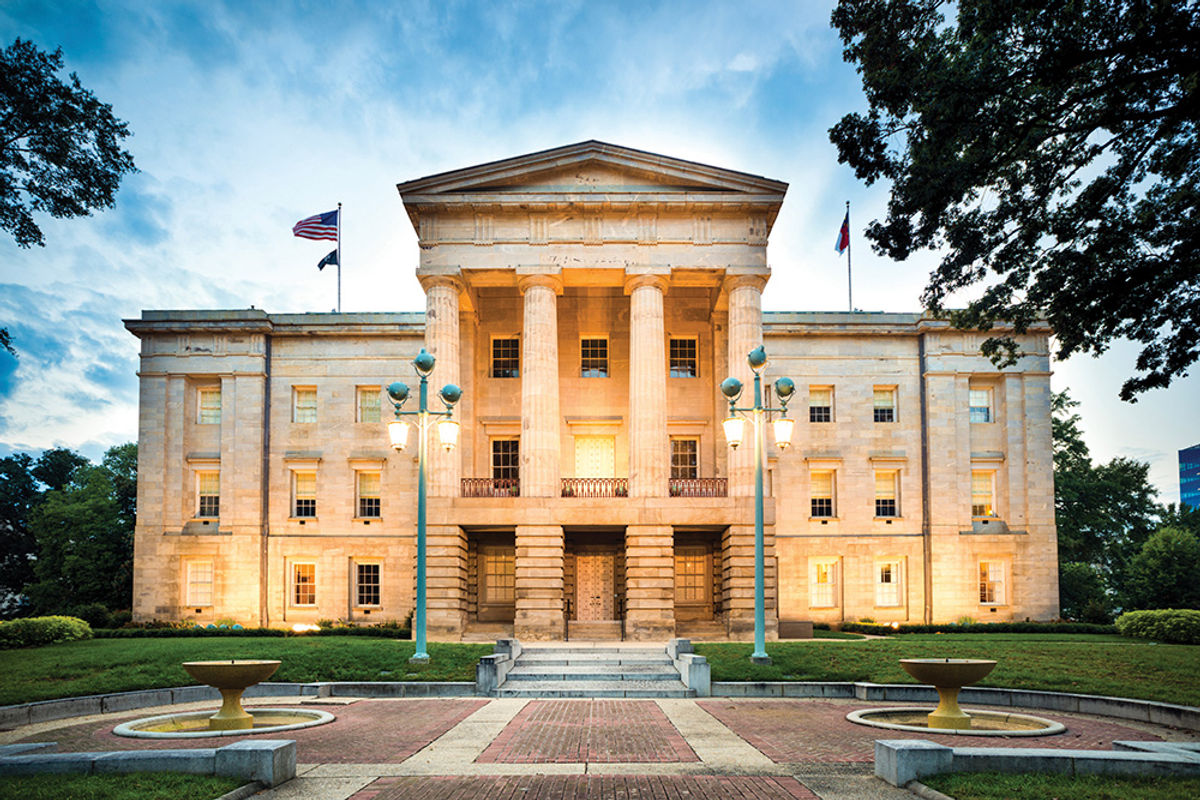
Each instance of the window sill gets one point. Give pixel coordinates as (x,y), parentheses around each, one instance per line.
(888,519)
(302,519)
(824,519)
(367,520)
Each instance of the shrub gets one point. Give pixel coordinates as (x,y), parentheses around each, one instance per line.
(1176,625)
(94,614)
(982,627)
(35,631)
(120,619)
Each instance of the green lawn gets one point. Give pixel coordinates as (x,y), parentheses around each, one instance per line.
(134,786)
(116,665)
(1090,664)
(995,786)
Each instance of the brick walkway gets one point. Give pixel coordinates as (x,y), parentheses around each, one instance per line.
(561,787)
(565,731)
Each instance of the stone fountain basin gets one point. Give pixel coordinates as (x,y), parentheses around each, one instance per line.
(233,674)
(947,672)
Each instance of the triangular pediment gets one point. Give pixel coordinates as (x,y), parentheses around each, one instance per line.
(590,167)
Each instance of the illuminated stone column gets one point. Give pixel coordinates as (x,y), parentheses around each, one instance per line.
(442,340)
(541,474)
(745,334)
(649,457)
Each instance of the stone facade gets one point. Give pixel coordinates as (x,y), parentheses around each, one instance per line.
(589,300)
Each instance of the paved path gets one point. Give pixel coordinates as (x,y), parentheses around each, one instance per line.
(518,749)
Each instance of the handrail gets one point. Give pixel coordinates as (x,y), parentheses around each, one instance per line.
(491,487)
(595,487)
(698,487)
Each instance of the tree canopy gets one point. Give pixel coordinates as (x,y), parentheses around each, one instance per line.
(60,147)
(1050,152)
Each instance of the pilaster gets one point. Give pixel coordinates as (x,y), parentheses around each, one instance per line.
(649,465)
(445,582)
(737,589)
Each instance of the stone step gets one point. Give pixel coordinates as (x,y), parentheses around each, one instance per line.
(583,659)
(595,689)
(598,630)
(585,673)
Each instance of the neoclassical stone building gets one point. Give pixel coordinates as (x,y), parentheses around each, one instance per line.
(589,300)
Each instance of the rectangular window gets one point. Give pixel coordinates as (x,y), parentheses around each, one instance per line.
(981,405)
(692,576)
(209,406)
(199,580)
(823,589)
(820,404)
(304,584)
(506,358)
(983,493)
(887,583)
(506,459)
(593,358)
(821,488)
(370,406)
(684,363)
(368,494)
(208,494)
(885,404)
(500,576)
(685,459)
(304,494)
(366,584)
(991,583)
(886,504)
(304,404)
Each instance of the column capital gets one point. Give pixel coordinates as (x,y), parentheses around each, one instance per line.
(638,280)
(738,281)
(431,281)
(550,281)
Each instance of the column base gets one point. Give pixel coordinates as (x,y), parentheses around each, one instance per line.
(539,626)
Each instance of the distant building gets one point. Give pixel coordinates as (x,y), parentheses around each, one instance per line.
(589,300)
(1189,476)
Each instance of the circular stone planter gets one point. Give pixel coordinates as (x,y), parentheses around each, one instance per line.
(194,724)
(984,723)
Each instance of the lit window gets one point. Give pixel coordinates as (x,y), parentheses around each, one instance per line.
(981,405)
(304,404)
(209,406)
(506,358)
(500,576)
(821,490)
(304,494)
(684,363)
(506,459)
(199,580)
(692,577)
(991,583)
(370,407)
(208,494)
(366,584)
(885,493)
(593,358)
(887,583)
(823,578)
(368,494)
(820,404)
(685,460)
(885,405)
(983,493)
(304,584)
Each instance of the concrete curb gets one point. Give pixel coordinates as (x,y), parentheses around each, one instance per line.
(243,791)
(916,787)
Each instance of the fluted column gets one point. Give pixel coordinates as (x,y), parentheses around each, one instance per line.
(649,459)
(442,340)
(745,334)
(541,474)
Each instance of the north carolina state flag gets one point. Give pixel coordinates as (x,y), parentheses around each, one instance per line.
(843,240)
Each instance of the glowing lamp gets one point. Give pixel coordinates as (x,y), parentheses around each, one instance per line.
(398,433)
(448,433)
(783,432)
(734,428)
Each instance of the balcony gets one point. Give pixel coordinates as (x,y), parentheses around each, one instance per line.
(595,487)
(698,487)
(491,487)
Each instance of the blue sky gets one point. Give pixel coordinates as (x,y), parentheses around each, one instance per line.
(249,116)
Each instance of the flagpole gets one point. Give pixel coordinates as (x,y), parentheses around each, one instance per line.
(339,257)
(849,283)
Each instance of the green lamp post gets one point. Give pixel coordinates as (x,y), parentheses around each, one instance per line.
(448,435)
(734,426)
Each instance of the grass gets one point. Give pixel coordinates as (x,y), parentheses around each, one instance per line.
(1088,664)
(133,786)
(996,786)
(823,634)
(117,665)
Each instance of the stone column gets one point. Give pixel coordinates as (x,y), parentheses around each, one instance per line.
(445,582)
(539,583)
(541,475)
(745,334)
(649,582)
(442,340)
(737,581)
(649,456)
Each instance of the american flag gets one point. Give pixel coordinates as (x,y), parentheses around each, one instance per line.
(318,226)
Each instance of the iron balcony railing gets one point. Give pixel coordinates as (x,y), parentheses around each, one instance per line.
(595,487)
(698,487)
(491,487)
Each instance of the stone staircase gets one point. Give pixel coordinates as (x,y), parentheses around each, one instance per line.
(566,671)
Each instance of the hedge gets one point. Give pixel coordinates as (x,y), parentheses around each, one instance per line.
(981,627)
(1175,625)
(35,631)
(380,631)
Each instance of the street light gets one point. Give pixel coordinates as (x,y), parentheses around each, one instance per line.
(734,426)
(398,434)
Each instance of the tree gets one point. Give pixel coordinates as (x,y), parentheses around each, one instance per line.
(120,463)
(1081,593)
(1051,152)
(56,467)
(60,147)
(6,342)
(18,493)
(1166,573)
